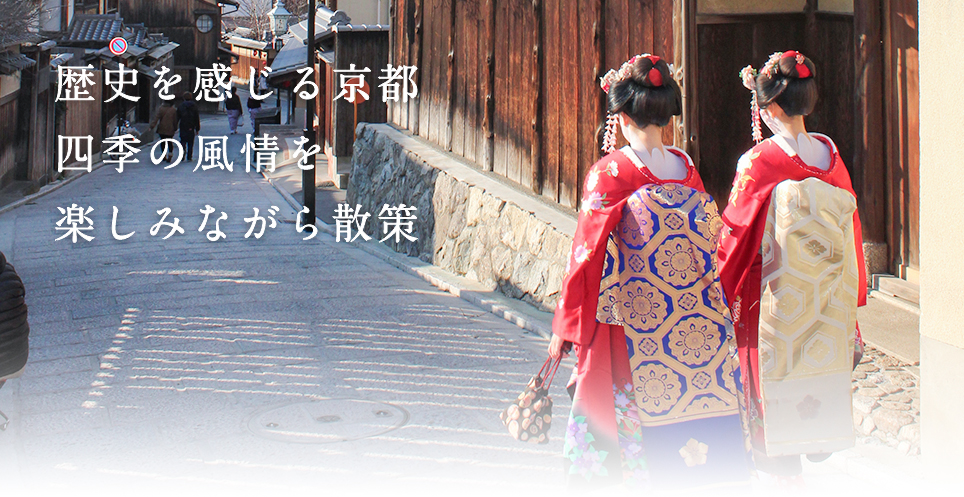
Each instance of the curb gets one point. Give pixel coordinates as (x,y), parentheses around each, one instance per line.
(894,301)
(487,299)
(48,188)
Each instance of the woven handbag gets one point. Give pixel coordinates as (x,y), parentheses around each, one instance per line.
(528,418)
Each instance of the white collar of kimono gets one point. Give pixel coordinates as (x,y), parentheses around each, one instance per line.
(806,148)
(655,158)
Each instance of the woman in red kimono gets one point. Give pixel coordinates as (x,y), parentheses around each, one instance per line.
(656,388)
(792,267)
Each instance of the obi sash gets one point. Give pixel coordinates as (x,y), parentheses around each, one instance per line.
(660,283)
(808,318)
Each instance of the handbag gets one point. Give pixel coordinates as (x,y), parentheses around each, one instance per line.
(528,418)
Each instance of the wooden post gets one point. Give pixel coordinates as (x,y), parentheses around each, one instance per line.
(689,70)
(599,55)
(416,103)
(535,153)
(392,107)
(869,171)
(450,79)
(488,159)
(810,31)
(679,131)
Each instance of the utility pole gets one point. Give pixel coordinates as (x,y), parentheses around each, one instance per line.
(308,175)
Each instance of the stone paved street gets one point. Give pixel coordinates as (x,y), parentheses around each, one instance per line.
(272,365)
(887,403)
(149,357)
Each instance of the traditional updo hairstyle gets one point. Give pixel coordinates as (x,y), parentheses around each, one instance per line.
(649,95)
(645,90)
(788,79)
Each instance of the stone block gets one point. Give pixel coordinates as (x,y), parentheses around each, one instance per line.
(867,427)
(889,388)
(473,207)
(871,392)
(462,225)
(894,406)
(890,422)
(864,404)
(910,433)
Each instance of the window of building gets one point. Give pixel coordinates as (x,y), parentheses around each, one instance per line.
(204,23)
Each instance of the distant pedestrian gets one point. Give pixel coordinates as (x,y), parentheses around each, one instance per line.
(165,121)
(233,106)
(189,123)
(254,105)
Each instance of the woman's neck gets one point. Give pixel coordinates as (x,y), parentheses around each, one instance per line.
(793,127)
(646,139)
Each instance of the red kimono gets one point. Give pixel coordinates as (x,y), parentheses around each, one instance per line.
(742,248)
(687,415)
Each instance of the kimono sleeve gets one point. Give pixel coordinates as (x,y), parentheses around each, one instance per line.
(740,240)
(600,212)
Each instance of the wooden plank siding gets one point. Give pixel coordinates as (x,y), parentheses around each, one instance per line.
(512,85)
(727,43)
(8,134)
(902,134)
(363,49)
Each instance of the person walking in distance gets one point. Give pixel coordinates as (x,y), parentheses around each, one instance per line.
(254,105)
(233,107)
(189,123)
(164,124)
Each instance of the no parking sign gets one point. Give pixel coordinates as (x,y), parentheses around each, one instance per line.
(118,45)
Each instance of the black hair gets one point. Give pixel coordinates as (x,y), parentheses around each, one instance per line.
(645,97)
(790,85)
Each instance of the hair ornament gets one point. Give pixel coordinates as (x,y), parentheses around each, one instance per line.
(653,77)
(801,67)
(748,76)
(609,139)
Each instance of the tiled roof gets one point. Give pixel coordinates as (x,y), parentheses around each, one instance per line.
(93,28)
(237,41)
(11,62)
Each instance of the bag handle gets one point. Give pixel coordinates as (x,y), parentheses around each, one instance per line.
(550,369)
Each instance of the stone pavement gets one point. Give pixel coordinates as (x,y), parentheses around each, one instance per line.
(152,358)
(272,364)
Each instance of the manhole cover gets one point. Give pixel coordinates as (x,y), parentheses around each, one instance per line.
(327,421)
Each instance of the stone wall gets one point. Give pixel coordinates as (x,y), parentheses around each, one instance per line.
(469,222)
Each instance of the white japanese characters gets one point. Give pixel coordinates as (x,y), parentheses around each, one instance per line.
(398,83)
(77,148)
(213,85)
(117,80)
(397,222)
(74,83)
(350,223)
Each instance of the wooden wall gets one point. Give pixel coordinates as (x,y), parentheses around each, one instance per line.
(364,49)
(247,58)
(176,19)
(8,134)
(84,118)
(902,134)
(727,43)
(512,85)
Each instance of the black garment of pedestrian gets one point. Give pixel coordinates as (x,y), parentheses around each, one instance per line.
(188,117)
(187,141)
(233,103)
(254,103)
